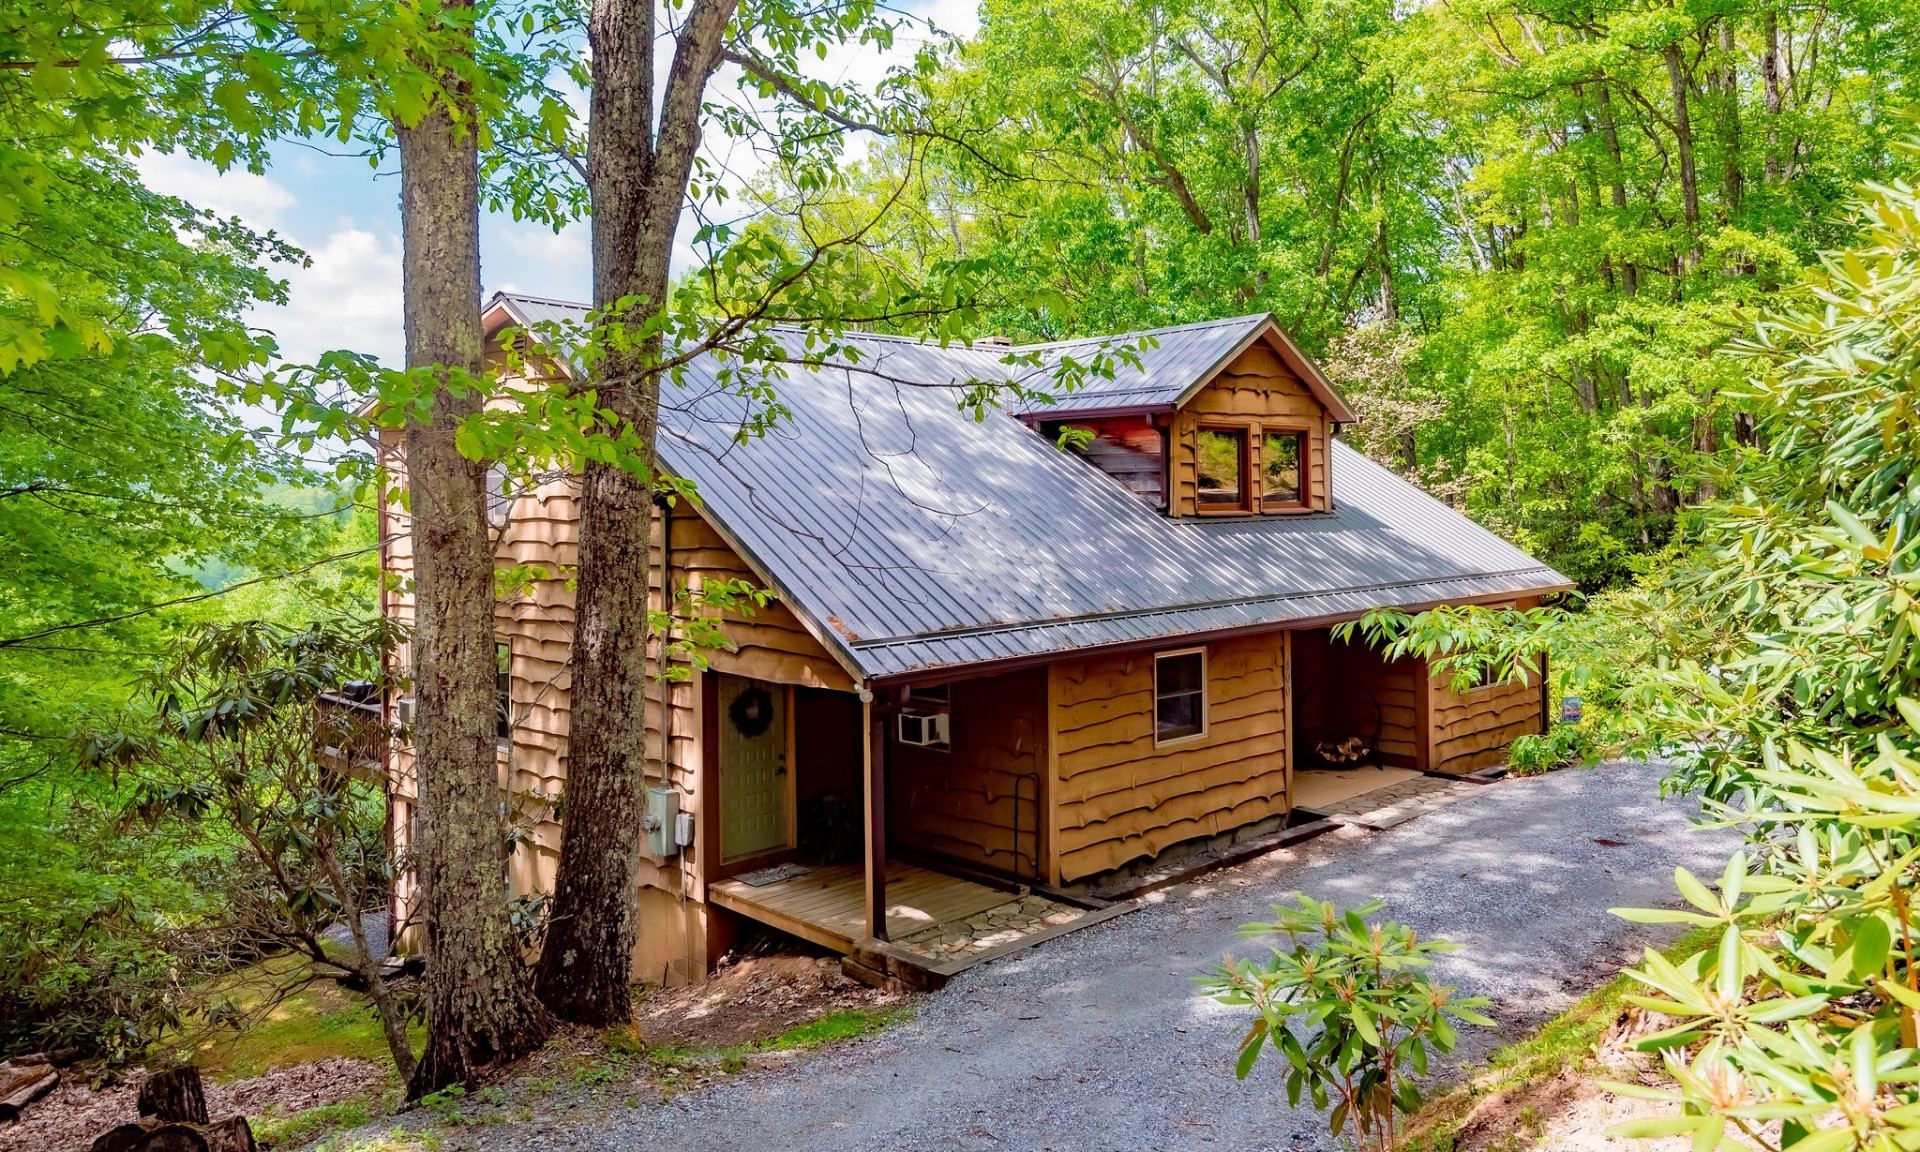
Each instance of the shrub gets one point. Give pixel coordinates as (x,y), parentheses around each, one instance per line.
(1347,1007)
(1563,746)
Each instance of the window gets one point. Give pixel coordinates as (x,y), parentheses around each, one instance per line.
(1179,695)
(1282,482)
(1223,469)
(503,691)
(930,694)
(1488,676)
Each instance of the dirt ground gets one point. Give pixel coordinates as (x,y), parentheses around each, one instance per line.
(1571,1112)
(753,999)
(73,1114)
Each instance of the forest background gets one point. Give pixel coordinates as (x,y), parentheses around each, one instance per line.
(1516,238)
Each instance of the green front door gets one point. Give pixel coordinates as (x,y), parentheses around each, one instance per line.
(753,767)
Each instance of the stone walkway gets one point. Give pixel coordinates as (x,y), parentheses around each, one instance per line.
(996,926)
(1398,803)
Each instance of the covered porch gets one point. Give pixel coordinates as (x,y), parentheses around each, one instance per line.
(861,826)
(828,905)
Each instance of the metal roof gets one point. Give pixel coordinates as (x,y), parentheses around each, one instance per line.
(911,537)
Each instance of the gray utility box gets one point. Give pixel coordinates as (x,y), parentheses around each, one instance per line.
(663,813)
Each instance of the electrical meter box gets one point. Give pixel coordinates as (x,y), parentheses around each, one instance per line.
(661,820)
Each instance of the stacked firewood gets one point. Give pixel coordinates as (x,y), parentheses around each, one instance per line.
(1352,750)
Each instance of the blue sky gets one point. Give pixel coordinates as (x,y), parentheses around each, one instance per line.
(345,215)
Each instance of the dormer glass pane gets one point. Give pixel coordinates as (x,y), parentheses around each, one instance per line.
(1280,455)
(1223,454)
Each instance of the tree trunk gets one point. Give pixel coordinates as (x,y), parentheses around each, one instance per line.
(1770,76)
(1616,176)
(638,181)
(1731,178)
(1683,132)
(480,1012)
(174,1096)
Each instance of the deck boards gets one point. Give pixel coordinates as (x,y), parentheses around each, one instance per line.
(829,905)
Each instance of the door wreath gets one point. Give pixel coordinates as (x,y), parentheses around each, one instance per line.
(751,711)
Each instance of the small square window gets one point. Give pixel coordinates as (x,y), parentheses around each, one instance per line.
(1223,469)
(1179,695)
(1283,482)
(930,694)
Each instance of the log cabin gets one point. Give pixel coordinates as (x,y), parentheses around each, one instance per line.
(997,658)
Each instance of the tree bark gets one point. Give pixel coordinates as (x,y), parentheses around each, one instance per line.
(1731,179)
(1617,178)
(480,1011)
(174,1096)
(637,179)
(1683,133)
(1770,77)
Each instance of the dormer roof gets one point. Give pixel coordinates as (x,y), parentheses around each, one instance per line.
(1185,358)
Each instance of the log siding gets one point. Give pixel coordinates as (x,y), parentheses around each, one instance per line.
(1121,798)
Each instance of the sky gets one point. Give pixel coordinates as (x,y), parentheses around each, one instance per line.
(345,215)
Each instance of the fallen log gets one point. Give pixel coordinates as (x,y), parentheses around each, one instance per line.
(22,1091)
(233,1134)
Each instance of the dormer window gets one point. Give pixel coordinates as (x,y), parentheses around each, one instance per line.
(1223,470)
(1282,479)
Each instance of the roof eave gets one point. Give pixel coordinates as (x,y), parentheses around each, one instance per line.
(995,667)
(1039,414)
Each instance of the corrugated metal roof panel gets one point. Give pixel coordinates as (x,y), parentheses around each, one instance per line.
(913,536)
(1183,355)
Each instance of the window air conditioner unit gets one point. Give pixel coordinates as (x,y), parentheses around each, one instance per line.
(925,729)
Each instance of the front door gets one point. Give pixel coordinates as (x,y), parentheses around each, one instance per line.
(753,767)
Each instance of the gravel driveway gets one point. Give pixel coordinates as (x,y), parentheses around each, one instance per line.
(1097,1041)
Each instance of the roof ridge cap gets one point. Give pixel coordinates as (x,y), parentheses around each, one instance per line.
(1165,328)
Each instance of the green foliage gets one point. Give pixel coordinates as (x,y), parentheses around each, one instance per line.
(1562,746)
(1347,1007)
(1785,684)
(1483,215)
(248,838)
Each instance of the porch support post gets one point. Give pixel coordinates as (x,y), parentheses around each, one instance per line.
(876,789)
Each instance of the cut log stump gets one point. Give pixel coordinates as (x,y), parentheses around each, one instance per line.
(174,1095)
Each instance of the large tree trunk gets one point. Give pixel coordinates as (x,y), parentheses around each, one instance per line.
(1617,178)
(480,1011)
(1683,133)
(1731,178)
(638,181)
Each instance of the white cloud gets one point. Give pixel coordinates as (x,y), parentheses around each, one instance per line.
(531,258)
(349,297)
(255,199)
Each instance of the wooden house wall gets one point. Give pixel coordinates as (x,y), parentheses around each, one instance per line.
(537,624)
(1120,797)
(1471,730)
(1255,389)
(980,801)
(1131,449)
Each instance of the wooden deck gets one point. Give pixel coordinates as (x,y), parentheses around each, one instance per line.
(828,906)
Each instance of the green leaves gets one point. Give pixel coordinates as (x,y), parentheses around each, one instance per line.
(1345,1005)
